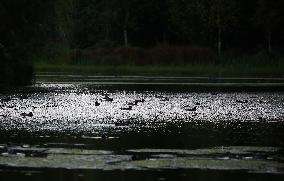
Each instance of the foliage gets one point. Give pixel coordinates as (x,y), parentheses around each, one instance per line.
(136,32)
(269,16)
(24,24)
(161,54)
(146,23)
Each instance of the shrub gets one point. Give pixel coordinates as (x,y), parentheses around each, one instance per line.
(182,55)
(160,54)
(98,55)
(198,55)
(74,56)
(15,71)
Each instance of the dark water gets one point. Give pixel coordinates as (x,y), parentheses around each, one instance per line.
(58,131)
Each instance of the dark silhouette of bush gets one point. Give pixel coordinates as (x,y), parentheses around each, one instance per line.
(25,27)
(14,70)
(160,54)
(198,55)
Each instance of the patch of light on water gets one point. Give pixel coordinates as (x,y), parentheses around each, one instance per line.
(73,108)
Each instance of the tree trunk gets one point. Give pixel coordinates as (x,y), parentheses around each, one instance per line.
(125,34)
(125,27)
(63,34)
(1,46)
(107,32)
(269,46)
(219,41)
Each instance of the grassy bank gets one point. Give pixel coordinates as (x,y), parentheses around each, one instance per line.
(163,60)
(241,70)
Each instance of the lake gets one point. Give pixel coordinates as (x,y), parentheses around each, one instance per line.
(123,128)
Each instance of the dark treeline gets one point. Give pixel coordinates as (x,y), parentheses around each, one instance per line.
(235,26)
(225,23)
(35,28)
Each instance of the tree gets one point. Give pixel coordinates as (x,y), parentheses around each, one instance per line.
(102,22)
(150,22)
(125,11)
(126,18)
(184,20)
(88,28)
(64,20)
(219,15)
(269,16)
(22,32)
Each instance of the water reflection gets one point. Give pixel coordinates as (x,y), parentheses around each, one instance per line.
(71,116)
(76,109)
